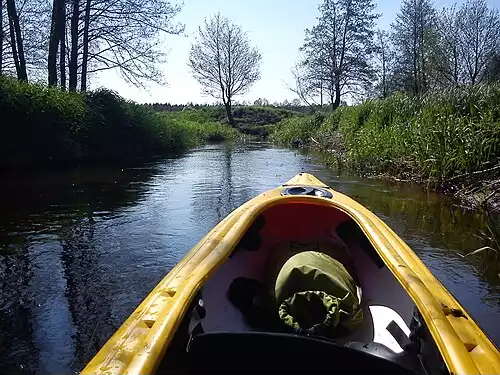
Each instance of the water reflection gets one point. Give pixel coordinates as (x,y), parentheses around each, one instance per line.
(79,249)
(46,257)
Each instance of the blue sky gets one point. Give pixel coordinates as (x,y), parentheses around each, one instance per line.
(276,27)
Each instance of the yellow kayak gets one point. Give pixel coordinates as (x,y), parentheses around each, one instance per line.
(299,279)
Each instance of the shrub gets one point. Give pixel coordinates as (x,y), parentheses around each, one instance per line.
(47,125)
(38,123)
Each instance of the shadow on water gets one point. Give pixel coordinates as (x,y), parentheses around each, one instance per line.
(49,271)
(80,249)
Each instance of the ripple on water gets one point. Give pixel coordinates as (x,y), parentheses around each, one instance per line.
(78,251)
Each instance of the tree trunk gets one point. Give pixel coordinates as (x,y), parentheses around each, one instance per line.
(229,113)
(336,103)
(415,50)
(384,73)
(62,61)
(21,71)
(321,94)
(62,40)
(1,37)
(12,35)
(85,57)
(73,61)
(455,66)
(423,46)
(53,44)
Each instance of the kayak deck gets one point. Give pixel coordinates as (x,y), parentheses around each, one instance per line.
(383,298)
(281,230)
(399,295)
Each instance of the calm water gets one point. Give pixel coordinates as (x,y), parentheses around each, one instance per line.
(79,249)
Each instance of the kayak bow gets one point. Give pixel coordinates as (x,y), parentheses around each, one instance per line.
(303,210)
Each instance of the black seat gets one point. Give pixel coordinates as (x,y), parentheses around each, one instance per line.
(262,352)
(407,358)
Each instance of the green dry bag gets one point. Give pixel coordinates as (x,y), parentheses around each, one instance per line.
(316,295)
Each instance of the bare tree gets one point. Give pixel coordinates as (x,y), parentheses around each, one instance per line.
(32,17)
(34,21)
(126,35)
(62,41)
(8,66)
(308,85)
(338,49)
(57,38)
(16,41)
(73,60)
(94,36)
(480,38)
(53,46)
(223,61)
(85,56)
(1,37)
(119,34)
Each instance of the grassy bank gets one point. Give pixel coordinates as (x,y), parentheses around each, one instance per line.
(448,138)
(438,137)
(251,120)
(43,125)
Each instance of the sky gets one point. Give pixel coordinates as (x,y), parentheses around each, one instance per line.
(275,27)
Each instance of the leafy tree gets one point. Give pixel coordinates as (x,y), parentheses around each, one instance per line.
(414,35)
(384,59)
(338,49)
(447,59)
(223,61)
(492,74)
(480,39)
(261,102)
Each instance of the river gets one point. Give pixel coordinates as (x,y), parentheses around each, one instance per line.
(80,248)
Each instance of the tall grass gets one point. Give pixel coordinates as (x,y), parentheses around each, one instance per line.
(297,129)
(46,125)
(438,137)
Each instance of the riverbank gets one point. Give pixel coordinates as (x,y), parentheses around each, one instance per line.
(249,120)
(448,140)
(47,126)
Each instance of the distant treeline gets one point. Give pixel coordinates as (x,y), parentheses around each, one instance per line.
(294,105)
